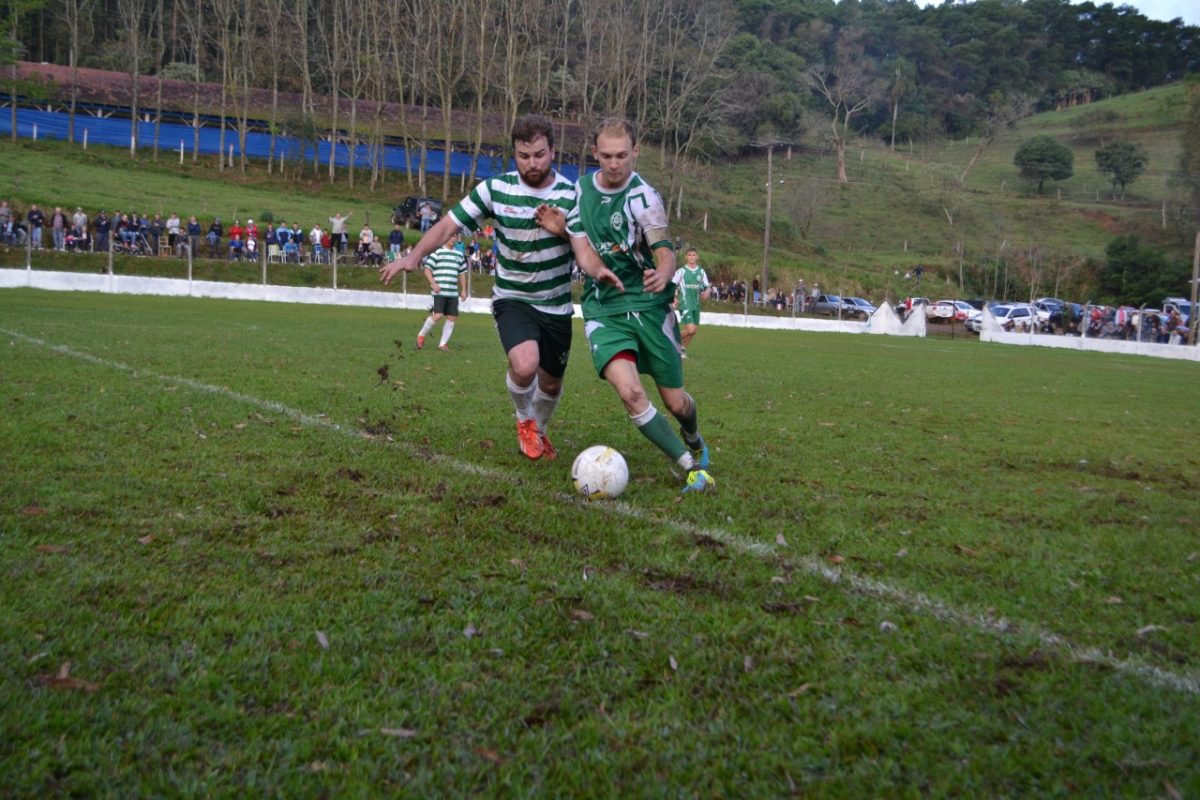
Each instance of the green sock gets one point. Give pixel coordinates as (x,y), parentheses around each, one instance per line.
(656,428)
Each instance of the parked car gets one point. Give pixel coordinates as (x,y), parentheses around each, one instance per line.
(1180,304)
(947,310)
(864,306)
(408,213)
(834,305)
(1016,317)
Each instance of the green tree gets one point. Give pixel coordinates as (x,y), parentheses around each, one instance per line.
(1137,274)
(1123,162)
(1042,158)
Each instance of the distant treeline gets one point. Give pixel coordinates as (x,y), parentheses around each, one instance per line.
(701,76)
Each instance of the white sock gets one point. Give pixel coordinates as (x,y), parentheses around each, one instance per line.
(447,329)
(522,397)
(543,406)
(427,327)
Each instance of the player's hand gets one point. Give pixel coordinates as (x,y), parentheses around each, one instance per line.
(551,219)
(655,281)
(390,270)
(606,275)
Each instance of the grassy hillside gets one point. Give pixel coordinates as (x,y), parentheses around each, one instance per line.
(900,208)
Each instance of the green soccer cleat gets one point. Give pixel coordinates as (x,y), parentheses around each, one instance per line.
(699,481)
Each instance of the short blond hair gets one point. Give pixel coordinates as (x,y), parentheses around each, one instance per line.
(615,126)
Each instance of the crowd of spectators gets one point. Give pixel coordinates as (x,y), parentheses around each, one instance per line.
(137,233)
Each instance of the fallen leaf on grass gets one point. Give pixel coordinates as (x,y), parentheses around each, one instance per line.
(1113,600)
(966,551)
(779,579)
(487,444)
(1172,792)
(52,548)
(887,627)
(748,664)
(470,631)
(241,426)
(1149,629)
(317,766)
(1192,557)
(490,755)
(902,552)
(801,689)
(579,615)
(147,539)
(518,563)
(399,733)
(33,511)
(323,640)
(674,664)
(836,559)
(779,540)
(64,682)
(637,634)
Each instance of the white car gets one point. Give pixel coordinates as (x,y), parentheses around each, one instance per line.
(1015,317)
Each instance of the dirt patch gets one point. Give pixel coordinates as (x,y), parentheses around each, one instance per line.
(1106,221)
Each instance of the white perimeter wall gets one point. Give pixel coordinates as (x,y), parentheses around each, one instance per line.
(883,321)
(178,287)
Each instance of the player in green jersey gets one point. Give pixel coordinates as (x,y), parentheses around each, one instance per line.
(619,223)
(691,286)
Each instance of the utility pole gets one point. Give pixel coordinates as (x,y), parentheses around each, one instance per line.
(766,267)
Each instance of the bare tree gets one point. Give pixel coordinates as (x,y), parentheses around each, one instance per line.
(272,16)
(76,15)
(849,87)
(160,49)
(1003,111)
(132,13)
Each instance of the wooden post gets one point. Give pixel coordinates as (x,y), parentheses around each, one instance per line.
(1194,318)
(766,268)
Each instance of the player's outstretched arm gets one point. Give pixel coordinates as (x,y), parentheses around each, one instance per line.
(591,263)
(430,241)
(657,279)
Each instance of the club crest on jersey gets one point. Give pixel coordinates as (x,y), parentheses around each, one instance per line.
(616,220)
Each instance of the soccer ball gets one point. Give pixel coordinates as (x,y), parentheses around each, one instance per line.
(600,473)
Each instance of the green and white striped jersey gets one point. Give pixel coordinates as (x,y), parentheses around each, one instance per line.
(615,223)
(446,264)
(532,265)
(690,282)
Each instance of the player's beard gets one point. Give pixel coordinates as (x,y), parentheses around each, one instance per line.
(535,177)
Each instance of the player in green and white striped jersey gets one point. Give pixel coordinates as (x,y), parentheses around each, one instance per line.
(446,271)
(531,301)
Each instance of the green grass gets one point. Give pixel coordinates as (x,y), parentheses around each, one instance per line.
(194,489)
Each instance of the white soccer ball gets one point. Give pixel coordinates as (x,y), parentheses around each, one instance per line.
(600,473)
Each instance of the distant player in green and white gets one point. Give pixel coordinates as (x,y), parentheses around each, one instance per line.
(691,286)
(446,271)
(531,301)
(619,222)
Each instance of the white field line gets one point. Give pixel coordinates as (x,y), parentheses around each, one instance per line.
(846,579)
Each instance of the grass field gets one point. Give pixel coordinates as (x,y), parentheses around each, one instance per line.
(239,558)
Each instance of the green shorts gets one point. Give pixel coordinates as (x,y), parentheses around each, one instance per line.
(652,336)
(689,316)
